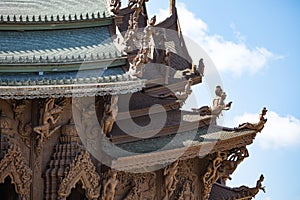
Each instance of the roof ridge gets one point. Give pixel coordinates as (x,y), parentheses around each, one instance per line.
(67,81)
(59,59)
(52,18)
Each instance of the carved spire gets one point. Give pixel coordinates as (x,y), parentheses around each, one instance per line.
(172,6)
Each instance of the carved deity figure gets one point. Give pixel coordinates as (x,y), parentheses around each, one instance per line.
(116,5)
(218,104)
(24,128)
(182,96)
(109,187)
(50,116)
(256,126)
(109,114)
(170,180)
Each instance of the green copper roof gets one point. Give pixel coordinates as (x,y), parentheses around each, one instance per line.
(51,7)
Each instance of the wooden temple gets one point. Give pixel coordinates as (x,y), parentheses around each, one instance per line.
(90,108)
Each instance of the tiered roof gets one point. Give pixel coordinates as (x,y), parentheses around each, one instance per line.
(55,48)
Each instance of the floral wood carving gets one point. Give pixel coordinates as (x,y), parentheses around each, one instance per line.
(50,116)
(13,165)
(81,169)
(236,156)
(212,174)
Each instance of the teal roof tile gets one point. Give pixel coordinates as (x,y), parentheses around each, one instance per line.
(57,47)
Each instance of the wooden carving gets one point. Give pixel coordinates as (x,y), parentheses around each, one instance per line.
(187,192)
(253,191)
(256,126)
(24,127)
(109,186)
(115,6)
(170,180)
(236,156)
(138,7)
(218,104)
(182,96)
(212,174)
(81,169)
(13,165)
(143,187)
(188,180)
(148,32)
(109,114)
(50,116)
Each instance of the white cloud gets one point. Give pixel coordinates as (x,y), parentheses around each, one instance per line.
(229,56)
(279,132)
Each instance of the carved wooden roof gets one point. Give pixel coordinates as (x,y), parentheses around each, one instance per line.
(223,192)
(101,86)
(185,145)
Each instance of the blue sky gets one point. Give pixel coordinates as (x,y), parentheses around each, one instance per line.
(255,46)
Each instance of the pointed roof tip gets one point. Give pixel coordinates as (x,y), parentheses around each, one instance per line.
(172,6)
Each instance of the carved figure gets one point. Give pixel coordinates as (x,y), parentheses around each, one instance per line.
(133,71)
(109,187)
(257,126)
(116,5)
(148,31)
(109,114)
(137,67)
(24,128)
(218,104)
(201,67)
(130,35)
(137,6)
(170,179)
(253,191)
(187,193)
(182,96)
(44,131)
